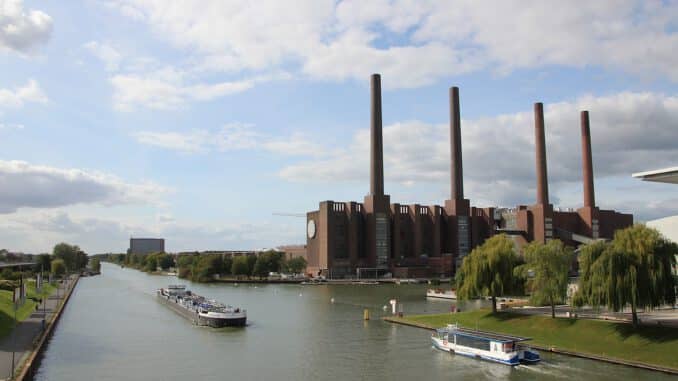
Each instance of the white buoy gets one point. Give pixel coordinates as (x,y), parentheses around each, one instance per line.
(299,294)
(332,300)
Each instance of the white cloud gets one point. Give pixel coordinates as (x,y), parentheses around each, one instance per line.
(30,92)
(415,43)
(630,132)
(233,136)
(230,137)
(109,55)
(21,30)
(10,126)
(132,90)
(294,145)
(24,185)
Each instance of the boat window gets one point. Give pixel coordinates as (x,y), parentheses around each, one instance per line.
(509,347)
(473,342)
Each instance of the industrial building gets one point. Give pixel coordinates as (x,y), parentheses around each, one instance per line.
(145,246)
(348,239)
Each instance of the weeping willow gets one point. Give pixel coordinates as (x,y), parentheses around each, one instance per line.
(488,270)
(545,272)
(633,270)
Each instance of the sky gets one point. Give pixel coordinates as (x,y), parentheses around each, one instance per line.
(197,120)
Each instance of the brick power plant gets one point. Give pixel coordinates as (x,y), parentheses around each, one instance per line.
(377,236)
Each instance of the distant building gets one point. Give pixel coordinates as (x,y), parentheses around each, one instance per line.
(293,251)
(224,253)
(145,246)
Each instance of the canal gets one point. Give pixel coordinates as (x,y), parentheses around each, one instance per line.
(113,328)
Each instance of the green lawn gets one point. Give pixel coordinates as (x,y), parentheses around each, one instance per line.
(652,345)
(7,308)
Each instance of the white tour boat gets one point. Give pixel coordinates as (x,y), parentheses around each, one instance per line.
(503,349)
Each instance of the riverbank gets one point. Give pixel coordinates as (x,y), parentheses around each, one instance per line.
(647,347)
(30,337)
(23,312)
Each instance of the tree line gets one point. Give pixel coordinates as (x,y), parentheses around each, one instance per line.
(203,268)
(633,270)
(64,258)
(206,267)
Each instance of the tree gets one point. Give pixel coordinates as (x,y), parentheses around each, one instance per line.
(58,267)
(67,253)
(488,270)
(251,260)
(240,266)
(151,263)
(44,262)
(634,269)
(95,264)
(261,267)
(589,290)
(297,265)
(81,259)
(228,263)
(205,267)
(546,271)
(184,265)
(165,261)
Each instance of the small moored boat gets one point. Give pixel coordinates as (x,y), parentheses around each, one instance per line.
(503,349)
(441,294)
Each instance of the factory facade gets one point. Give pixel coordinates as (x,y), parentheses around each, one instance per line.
(348,239)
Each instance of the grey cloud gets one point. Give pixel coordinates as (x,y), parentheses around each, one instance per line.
(26,185)
(22,30)
(37,232)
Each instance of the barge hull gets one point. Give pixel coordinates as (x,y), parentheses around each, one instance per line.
(218,323)
(174,306)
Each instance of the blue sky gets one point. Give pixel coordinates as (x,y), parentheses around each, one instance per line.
(196,120)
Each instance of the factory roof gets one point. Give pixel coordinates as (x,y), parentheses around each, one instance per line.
(666,175)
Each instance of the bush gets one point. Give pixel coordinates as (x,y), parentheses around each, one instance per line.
(8,285)
(58,267)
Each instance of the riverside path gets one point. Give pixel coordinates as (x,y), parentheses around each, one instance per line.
(19,343)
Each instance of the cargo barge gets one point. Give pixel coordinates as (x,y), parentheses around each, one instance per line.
(200,310)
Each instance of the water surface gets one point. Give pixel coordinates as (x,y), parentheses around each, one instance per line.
(113,328)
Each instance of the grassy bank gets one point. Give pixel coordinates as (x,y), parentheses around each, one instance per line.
(7,308)
(650,345)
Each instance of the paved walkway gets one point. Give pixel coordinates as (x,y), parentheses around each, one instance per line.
(665,316)
(20,340)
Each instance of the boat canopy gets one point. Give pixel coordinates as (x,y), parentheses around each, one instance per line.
(482,335)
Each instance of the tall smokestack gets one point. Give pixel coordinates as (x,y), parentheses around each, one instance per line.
(457,185)
(376,145)
(540,146)
(587,161)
